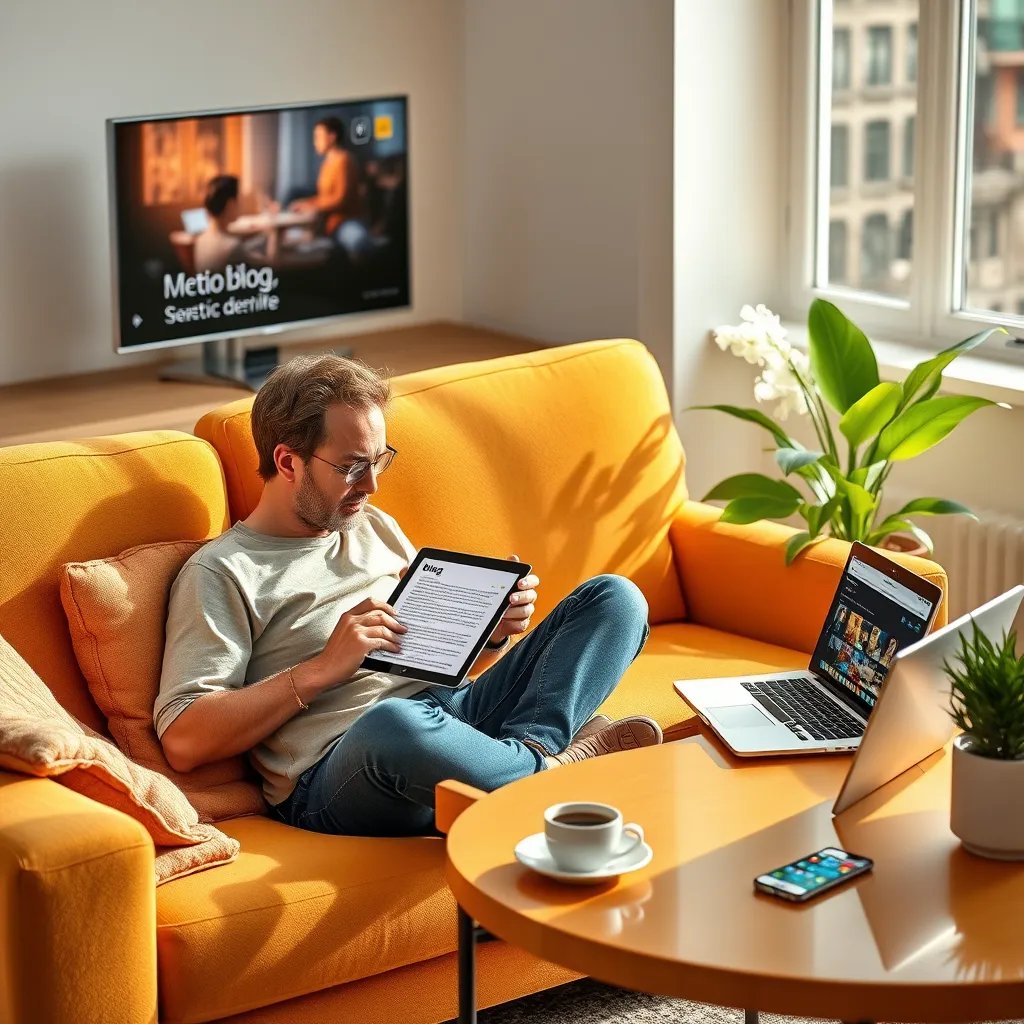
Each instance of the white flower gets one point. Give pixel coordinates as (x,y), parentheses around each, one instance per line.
(761,340)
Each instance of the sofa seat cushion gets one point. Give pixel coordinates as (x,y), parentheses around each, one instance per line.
(686,650)
(297,912)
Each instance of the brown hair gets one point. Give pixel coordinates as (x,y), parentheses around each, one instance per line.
(290,407)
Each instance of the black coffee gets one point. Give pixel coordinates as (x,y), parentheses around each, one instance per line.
(583,818)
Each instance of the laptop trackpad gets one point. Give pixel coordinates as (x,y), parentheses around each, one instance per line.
(738,716)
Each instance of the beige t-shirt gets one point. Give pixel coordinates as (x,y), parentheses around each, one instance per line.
(248,605)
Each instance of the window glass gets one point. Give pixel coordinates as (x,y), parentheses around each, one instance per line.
(876,151)
(866,166)
(840,177)
(879,70)
(993,265)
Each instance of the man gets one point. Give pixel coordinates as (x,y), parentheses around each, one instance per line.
(269,623)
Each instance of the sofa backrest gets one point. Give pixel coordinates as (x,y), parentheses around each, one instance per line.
(76,500)
(566,456)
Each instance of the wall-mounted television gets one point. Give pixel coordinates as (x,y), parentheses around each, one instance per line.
(239,222)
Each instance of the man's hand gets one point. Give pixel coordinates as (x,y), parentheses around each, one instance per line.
(520,609)
(369,627)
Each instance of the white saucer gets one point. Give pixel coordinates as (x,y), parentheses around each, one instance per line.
(532,852)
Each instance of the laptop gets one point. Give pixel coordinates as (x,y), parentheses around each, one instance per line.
(195,220)
(878,609)
(911,719)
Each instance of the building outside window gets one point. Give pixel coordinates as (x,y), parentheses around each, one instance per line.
(837,252)
(874,255)
(908,148)
(876,151)
(840,158)
(912,53)
(840,59)
(879,69)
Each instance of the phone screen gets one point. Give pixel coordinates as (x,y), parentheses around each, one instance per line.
(804,878)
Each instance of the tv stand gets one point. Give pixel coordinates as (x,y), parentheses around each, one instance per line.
(224,360)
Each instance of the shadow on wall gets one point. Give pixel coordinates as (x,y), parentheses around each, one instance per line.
(54,284)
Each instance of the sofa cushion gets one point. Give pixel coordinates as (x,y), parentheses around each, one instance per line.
(688,651)
(116,610)
(75,500)
(566,456)
(297,912)
(38,737)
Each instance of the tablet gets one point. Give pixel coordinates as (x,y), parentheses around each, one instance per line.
(451,601)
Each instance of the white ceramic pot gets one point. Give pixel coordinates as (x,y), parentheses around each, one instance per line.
(987,805)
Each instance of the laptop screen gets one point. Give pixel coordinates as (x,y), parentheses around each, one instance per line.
(871,618)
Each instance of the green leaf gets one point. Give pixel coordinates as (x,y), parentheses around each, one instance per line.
(924,424)
(869,414)
(818,515)
(753,485)
(796,544)
(741,511)
(793,459)
(754,416)
(935,507)
(927,376)
(842,360)
(922,537)
(892,524)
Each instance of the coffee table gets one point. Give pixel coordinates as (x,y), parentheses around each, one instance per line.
(932,934)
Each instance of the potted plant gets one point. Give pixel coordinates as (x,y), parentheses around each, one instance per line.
(883,423)
(987,703)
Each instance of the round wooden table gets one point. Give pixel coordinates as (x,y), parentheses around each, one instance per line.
(932,934)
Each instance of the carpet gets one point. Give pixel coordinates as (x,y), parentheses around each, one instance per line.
(590,1002)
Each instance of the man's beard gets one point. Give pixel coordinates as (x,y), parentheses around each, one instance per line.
(315,511)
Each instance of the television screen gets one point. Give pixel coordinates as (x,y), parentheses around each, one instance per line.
(232,222)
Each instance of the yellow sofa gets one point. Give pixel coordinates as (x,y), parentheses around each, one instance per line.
(568,457)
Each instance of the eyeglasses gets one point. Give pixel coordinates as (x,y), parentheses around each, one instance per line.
(355,472)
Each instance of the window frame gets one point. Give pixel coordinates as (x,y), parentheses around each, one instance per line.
(929,317)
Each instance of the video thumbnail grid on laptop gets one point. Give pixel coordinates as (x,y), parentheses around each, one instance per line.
(871,618)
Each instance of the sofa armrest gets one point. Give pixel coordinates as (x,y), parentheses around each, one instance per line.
(735,578)
(78,899)
(451,798)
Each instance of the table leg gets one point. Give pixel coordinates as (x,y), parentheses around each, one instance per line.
(750,1017)
(467,969)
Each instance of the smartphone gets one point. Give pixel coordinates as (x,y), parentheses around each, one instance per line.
(812,875)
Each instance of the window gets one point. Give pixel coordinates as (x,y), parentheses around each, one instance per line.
(905,241)
(840,59)
(839,165)
(879,70)
(876,151)
(874,253)
(837,252)
(928,251)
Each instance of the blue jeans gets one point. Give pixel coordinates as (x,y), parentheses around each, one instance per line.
(378,778)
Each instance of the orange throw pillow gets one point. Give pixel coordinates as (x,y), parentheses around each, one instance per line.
(117,610)
(38,737)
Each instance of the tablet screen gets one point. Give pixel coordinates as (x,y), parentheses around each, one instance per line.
(450,608)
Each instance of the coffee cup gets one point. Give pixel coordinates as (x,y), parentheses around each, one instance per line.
(586,836)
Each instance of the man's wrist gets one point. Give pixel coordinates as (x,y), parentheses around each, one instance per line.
(305,680)
(494,648)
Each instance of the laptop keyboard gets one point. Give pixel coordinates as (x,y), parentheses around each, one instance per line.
(803,709)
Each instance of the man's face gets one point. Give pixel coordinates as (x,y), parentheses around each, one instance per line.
(324,501)
(322,139)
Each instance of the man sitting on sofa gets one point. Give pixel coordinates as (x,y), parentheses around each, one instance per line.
(268,626)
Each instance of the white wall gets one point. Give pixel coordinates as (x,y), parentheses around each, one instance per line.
(66,66)
(568,169)
(729,214)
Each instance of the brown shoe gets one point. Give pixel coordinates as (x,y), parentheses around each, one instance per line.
(625,734)
(597,723)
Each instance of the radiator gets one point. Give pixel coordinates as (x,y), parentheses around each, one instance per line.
(982,558)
